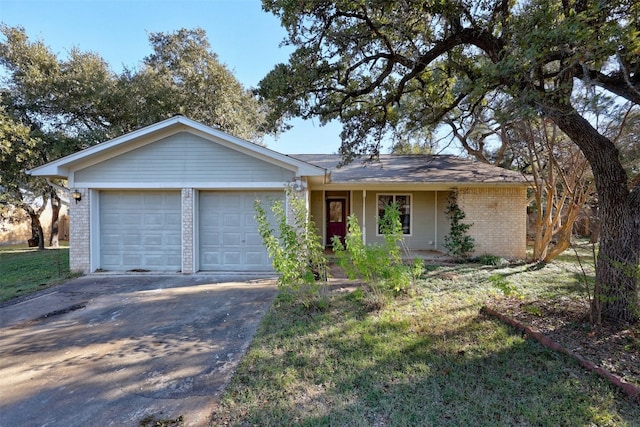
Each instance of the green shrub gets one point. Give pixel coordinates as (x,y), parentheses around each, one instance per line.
(458,242)
(380,265)
(295,249)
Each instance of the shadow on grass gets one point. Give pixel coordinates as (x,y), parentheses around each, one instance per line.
(427,367)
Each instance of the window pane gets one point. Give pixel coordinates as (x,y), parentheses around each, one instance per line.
(405,220)
(404,205)
(383,202)
(335,211)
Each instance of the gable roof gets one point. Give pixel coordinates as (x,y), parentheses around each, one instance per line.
(418,169)
(122,144)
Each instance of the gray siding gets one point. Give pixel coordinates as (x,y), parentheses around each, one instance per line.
(316,211)
(356,208)
(182,158)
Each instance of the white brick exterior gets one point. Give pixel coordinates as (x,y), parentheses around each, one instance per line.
(80,233)
(499,218)
(188,197)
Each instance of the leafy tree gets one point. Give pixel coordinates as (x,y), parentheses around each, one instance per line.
(561,179)
(72,103)
(17,152)
(183,76)
(379,66)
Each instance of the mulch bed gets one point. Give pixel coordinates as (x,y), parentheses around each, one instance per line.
(612,351)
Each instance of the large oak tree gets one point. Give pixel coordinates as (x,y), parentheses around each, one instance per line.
(51,106)
(383,66)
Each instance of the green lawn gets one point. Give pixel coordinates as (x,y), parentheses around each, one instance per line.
(25,270)
(428,358)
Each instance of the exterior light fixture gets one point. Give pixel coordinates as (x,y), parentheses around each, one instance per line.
(297,184)
(77,196)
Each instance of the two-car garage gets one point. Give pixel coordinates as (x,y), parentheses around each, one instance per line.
(176,196)
(142,231)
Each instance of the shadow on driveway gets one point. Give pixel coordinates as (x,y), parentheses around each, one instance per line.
(113,350)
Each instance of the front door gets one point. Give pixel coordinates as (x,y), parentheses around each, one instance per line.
(336,219)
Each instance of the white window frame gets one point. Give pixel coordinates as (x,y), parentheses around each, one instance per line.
(394,195)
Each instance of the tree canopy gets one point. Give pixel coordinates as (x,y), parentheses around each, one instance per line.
(52,106)
(386,67)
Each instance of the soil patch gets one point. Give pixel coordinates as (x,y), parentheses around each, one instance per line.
(613,347)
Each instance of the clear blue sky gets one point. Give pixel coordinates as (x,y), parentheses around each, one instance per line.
(246,39)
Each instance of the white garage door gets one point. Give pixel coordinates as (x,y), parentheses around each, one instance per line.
(228,232)
(140,230)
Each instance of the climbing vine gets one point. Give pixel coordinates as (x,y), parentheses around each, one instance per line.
(458,242)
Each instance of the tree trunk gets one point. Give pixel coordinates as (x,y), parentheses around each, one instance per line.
(36,227)
(616,288)
(55,216)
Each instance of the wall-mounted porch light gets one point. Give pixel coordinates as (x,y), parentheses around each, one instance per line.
(77,196)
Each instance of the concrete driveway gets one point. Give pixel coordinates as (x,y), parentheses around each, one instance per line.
(114,350)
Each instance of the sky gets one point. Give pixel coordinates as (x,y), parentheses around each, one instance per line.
(245,38)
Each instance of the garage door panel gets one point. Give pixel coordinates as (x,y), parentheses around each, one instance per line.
(253,239)
(174,240)
(154,219)
(140,230)
(131,219)
(233,259)
(228,232)
(232,219)
(255,258)
(231,239)
(211,257)
(131,239)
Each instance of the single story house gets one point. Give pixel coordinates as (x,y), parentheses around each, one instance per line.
(178,196)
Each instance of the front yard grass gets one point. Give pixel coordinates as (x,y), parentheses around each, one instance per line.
(25,270)
(427,358)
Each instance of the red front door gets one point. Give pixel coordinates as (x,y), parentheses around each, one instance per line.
(336,219)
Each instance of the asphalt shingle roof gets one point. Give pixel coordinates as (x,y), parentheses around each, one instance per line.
(412,169)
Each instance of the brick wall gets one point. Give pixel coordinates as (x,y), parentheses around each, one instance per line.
(188,265)
(499,218)
(79,233)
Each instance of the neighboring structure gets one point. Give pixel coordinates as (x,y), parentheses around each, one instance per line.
(178,196)
(16,227)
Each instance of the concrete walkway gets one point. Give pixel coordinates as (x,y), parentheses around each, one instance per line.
(114,350)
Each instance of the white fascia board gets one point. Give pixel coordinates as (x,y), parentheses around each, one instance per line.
(267,185)
(50,170)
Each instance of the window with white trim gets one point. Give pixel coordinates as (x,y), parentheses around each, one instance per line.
(404,205)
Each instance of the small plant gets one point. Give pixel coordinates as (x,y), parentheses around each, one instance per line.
(381,265)
(502,283)
(494,260)
(295,249)
(533,310)
(458,242)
